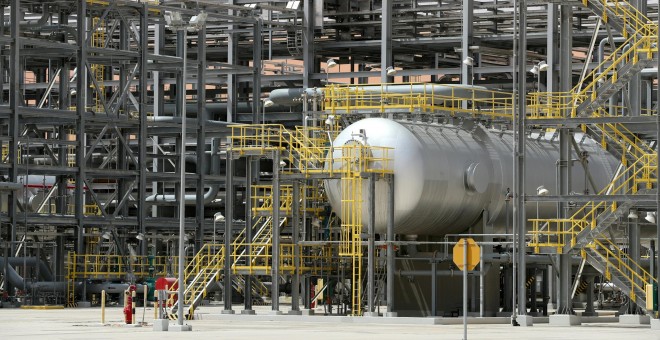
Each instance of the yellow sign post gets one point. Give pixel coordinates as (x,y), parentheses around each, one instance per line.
(467,255)
(473,254)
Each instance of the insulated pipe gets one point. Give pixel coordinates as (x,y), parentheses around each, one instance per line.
(291,97)
(71,31)
(215,109)
(31,24)
(601,49)
(167,119)
(210,193)
(57,286)
(44,271)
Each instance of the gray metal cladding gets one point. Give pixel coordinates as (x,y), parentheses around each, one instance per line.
(447,175)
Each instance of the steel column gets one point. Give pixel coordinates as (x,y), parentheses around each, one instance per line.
(181,97)
(256,69)
(249,179)
(201,137)
(467,32)
(564,304)
(519,218)
(635,257)
(275,266)
(81,103)
(142,135)
(309,62)
(386,59)
(229,224)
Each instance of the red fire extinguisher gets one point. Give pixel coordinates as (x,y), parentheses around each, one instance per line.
(129,307)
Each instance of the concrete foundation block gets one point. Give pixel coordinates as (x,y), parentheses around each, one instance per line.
(634,319)
(180,328)
(227,311)
(294,312)
(161,325)
(655,324)
(371,314)
(248,312)
(84,304)
(565,320)
(391,315)
(307,312)
(525,320)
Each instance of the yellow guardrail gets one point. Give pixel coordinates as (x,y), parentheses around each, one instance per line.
(420,98)
(262,196)
(114,266)
(265,138)
(555,232)
(619,260)
(630,15)
(313,259)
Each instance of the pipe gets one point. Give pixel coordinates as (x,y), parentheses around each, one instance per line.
(291,96)
(212,191)
(601,49)
(57,286)
(10,186)
(32,24)
(68,30)
(44,271)
(214,109)
(168,119)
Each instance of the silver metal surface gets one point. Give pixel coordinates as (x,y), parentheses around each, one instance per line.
(447,175)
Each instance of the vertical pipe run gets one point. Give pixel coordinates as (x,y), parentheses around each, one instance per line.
(386,40)
(142,147)
(390,247)
(371,267)
(181,89)
(295,284)
(256,76)
(229,224)
(275,267)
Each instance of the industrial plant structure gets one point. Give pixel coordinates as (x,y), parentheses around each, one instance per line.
(333,152)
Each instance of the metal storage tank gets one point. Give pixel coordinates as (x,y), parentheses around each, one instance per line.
(446,175)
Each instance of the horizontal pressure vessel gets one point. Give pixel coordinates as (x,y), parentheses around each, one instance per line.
(447,175)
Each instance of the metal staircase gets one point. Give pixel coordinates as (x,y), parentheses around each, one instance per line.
(618,268)
(208,265)
(199,274)
(585,229)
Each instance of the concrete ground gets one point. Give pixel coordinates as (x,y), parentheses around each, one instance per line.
(85,323)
